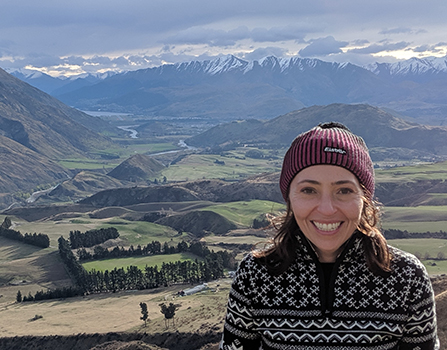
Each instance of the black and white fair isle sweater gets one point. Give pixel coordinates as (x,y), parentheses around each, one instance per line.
(359,310)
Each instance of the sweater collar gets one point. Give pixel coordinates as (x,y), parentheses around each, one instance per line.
(307,251)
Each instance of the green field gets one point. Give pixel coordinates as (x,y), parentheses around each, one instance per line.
(131,232)
(421,246)
(243,213)
(150,148)
(88,164)
(204,166)
(426,171)
(140,262)
(416,219)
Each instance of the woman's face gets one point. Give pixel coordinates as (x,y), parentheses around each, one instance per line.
(327,203)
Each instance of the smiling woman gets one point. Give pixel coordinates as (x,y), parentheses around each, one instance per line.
(328,280)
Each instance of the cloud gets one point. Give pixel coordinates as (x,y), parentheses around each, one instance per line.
(214,37)
(323,47)
(399,30)
(440,47)
(139,33)
(259,53)
(376,48)
(276,34)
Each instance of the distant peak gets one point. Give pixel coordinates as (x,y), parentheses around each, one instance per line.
(414,65)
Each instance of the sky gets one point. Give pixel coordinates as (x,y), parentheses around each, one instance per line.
(62,38)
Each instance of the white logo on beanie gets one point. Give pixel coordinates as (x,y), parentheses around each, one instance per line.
(334,150)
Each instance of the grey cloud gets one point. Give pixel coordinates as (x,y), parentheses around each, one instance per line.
(360,42)
(211,37)
(430,48)
(376,48)
(257,54)
(399,30)
(323,47)
(198,35)
(276,34)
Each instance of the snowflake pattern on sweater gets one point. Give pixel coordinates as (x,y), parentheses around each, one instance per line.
(360,310)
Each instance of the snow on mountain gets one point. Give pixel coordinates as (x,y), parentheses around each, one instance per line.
(25,73)
(231,63)
(413,66)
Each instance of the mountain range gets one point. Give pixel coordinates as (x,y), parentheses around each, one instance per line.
(229,88)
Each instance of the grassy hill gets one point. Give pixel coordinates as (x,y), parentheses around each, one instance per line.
(387,135)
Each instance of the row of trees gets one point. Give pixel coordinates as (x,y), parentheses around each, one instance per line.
(37,239)
(155,248)
(399,234)
(133,278)
(66,292)
(92,237)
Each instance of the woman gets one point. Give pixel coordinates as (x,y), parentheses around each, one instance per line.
(329,280)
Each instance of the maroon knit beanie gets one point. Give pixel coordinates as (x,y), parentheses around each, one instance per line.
(332,144)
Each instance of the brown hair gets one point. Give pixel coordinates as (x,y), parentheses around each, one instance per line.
(282,248)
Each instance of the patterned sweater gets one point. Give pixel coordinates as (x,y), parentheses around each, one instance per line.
(360,310)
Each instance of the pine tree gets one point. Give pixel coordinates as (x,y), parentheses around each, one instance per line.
(144,313)
(19,296)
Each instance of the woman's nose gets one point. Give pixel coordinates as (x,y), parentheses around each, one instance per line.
(326,205)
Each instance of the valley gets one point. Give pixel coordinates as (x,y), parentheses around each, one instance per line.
(181,180)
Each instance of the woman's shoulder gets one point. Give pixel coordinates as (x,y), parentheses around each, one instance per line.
(250,262)
(406,262)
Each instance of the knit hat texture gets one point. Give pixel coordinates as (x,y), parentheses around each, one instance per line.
(331,144)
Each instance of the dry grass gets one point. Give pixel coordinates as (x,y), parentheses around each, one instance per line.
(117,312)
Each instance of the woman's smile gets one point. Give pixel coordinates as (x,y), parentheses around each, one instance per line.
(327,227)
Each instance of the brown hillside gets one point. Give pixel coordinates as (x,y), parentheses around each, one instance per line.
(122,341)
(22,168)
(137,168)
(80,186)
(44,124)
(198,222)
(264,187)
(36,130)
(441,311)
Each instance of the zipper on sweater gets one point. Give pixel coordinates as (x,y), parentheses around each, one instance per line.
(327,297)
(326,289)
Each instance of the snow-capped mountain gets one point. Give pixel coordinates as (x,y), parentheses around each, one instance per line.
(413,66)
(58,85)
(232,64)
(231,88)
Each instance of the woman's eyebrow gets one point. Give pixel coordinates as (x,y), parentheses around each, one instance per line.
(336,183)
(344,182)
(314,182)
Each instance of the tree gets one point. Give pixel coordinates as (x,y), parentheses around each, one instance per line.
(19,296)
(6,223)
(169,312)
(144,313)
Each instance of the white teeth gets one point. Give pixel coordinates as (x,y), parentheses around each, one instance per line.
(327,227)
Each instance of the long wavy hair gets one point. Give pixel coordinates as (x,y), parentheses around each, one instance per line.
(281,250)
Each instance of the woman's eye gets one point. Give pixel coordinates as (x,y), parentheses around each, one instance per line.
(345,191)
(308,190)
